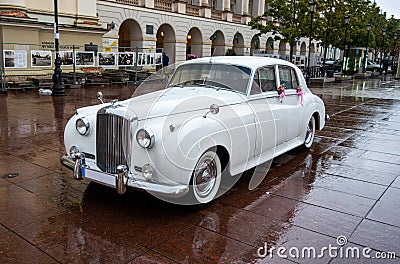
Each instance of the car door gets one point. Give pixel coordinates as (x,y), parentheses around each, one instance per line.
(269,111)
(292,101)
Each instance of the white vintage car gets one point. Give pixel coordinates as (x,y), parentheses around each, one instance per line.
(216,118)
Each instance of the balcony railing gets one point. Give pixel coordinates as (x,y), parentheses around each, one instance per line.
(129,2)
(192,10)
(165,5)
(216,14)
(237,18)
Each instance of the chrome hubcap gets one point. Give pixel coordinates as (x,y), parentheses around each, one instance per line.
(309,133)
(205,175)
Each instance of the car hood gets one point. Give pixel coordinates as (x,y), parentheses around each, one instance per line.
(179,100)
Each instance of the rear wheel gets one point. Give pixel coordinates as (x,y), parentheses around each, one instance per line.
(310,133)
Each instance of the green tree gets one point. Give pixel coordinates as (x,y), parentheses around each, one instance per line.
(291,21)
(330,29)
(288,23)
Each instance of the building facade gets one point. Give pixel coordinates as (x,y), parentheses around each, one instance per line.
(200,27)
(179,27)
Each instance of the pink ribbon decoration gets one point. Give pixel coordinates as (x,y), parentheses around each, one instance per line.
(281,92)
(300,93)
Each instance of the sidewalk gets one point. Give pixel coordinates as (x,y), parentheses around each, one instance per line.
(347,186)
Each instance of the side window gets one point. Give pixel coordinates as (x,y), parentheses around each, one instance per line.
(267,79)
(295,81)
(285,77)
(255,86)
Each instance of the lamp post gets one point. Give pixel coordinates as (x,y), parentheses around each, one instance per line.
(394,47)
(366,49)
(346,22)
(58,85)
(312,7)
(383,49)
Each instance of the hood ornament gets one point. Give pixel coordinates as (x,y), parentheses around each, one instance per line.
(113,102)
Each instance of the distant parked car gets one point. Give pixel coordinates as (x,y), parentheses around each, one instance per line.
(334,65)
(373,66)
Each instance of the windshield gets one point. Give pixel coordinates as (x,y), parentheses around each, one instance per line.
(219,76)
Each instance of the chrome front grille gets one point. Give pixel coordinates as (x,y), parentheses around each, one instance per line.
(113,141)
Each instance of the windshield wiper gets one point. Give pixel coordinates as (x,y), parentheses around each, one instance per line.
(180,85)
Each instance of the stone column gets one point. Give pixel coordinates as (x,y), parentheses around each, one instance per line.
(226,11)
(207,48)
(227,5)
(245,12)
(245,7)
(259,5)
(205,10)
(180,50)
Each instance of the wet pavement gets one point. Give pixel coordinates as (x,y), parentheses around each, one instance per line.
(347,185)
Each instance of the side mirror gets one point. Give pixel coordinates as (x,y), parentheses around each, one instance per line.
(214,109)
(100,97)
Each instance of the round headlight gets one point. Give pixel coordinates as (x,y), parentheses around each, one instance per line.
(82,126)
(145,138)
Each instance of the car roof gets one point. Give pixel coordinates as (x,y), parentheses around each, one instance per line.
(247,61)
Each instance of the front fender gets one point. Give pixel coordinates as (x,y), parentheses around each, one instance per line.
(183,146)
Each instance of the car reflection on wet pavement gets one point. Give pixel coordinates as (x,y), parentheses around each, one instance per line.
(347,185)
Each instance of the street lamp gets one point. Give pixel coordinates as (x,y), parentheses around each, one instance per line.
(394,47)
(58,85)
(346,22)
(383,49)
(366,49)
(312,7)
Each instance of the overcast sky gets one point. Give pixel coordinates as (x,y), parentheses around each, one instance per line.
(391,7)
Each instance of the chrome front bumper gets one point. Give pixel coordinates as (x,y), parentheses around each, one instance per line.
(121,180)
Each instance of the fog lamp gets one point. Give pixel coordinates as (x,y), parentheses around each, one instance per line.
(73,150)
(147,171)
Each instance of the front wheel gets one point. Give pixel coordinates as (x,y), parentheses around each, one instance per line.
(206,178)
(310,133)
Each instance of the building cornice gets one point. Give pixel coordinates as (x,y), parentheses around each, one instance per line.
(61,14)
(167,13)
(34,23)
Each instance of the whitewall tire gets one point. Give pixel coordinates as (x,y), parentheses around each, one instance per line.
(206,178)
(310,133)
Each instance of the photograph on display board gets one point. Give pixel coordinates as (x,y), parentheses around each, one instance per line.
(126,58)
(84,58)
(41,58)
(147,57)
(141,59)
(67,57)
(150,59)
(15,59)
(158,58)
(107,59)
